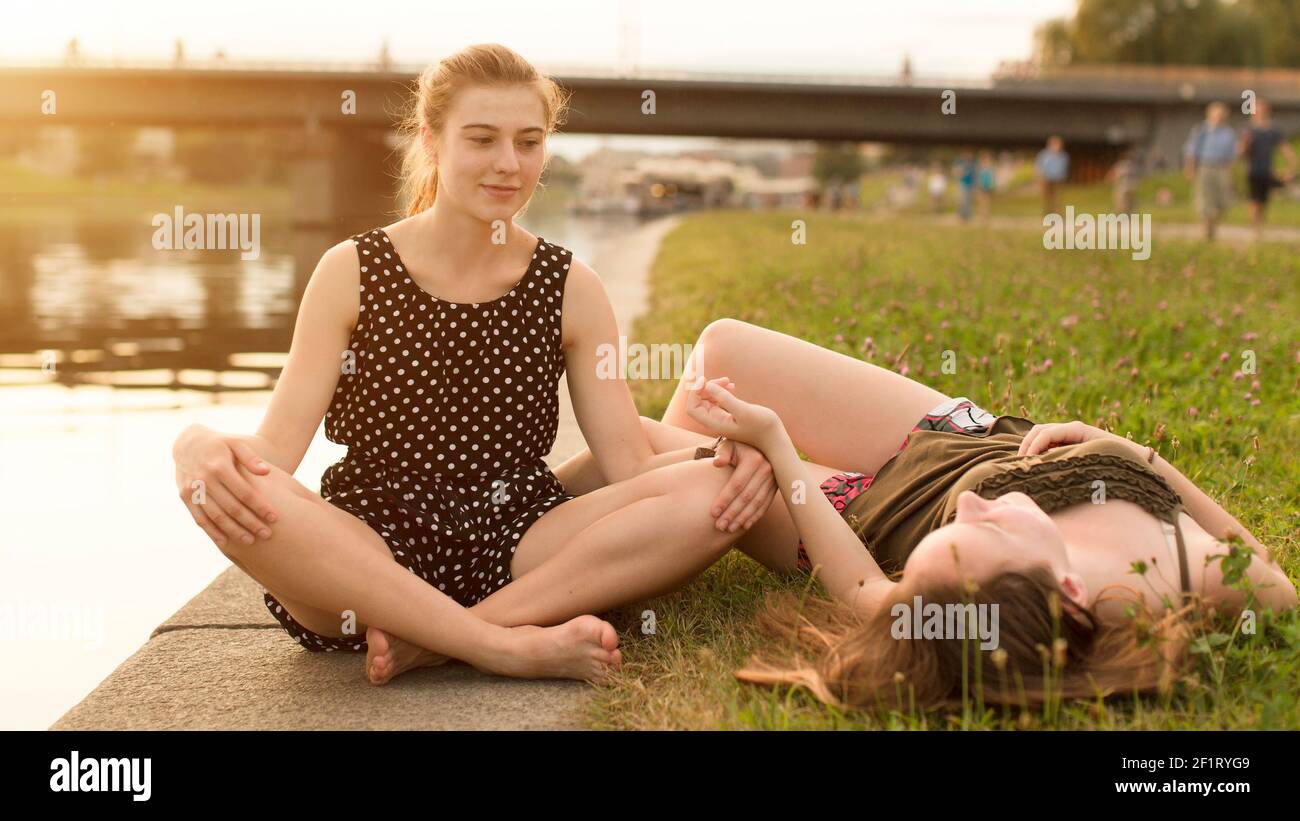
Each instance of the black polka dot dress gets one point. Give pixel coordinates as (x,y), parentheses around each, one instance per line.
(447,410)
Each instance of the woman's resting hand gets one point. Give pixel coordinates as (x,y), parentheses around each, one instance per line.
(220,500)
(749,493)
(1052,434)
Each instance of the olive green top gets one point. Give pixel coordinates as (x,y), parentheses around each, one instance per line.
(916,491)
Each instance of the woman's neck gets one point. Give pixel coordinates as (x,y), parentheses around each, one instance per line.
(475,244)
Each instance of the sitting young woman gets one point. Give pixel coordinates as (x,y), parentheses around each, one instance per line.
(1051,522)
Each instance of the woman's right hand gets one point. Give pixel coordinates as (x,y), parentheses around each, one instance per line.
(220,500)
(1042,437)
(720,412)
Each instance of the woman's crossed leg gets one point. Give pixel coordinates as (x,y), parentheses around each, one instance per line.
(630,542)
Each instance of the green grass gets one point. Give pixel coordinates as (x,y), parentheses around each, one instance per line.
(1134,347)
(31,196)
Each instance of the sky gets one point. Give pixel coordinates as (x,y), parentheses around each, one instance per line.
(944,39)
(955,38)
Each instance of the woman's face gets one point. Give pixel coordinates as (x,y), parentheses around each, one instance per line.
(494,136)
(1009,533)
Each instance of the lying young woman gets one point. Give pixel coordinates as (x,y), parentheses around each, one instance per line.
(1047,521)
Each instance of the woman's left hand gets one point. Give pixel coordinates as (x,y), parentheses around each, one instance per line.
(750,490)
(752,487)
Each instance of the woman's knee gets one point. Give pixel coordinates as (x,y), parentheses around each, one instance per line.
(278,491)
(276,483)
(717,339)
(694,488)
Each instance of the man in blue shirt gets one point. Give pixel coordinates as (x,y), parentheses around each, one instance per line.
(1053,167)
(1207,161)
(1259,142)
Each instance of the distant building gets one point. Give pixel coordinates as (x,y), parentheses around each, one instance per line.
(648,184)
(603,187)
(667,184)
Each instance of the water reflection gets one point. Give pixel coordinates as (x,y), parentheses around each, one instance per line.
(84,301)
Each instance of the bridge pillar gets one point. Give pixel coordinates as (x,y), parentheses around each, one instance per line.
(343,180)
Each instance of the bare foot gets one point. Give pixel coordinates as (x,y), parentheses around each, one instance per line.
(387,656)
(584,648)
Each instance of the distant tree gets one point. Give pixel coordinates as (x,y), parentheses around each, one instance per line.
(837,163)
(560,171)
(1280,21)
(1173,32)
(105,150)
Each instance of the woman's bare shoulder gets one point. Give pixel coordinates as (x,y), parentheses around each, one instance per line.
(335,284)
(586,309)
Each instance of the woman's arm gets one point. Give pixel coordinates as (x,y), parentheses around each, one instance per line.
(218,499)
(848,572)
(602,401)
(1207,512)
(1266,577)
(609,419)
(326,318)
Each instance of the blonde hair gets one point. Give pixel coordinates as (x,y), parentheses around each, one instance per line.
(1049,648)
(487,64)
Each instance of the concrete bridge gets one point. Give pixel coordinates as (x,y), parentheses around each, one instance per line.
(341,154)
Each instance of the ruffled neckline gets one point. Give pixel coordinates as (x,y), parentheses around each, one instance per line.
(1122,477)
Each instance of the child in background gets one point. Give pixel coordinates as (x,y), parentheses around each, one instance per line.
(1123,177)
(938,185)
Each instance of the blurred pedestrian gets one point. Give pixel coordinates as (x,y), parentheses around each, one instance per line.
(1053,167)
(1259,142)
(1207,161)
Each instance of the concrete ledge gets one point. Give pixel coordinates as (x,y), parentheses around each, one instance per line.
(232,600)
(257,679)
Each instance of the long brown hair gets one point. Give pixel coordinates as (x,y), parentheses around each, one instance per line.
(1049,647)
(487,64)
